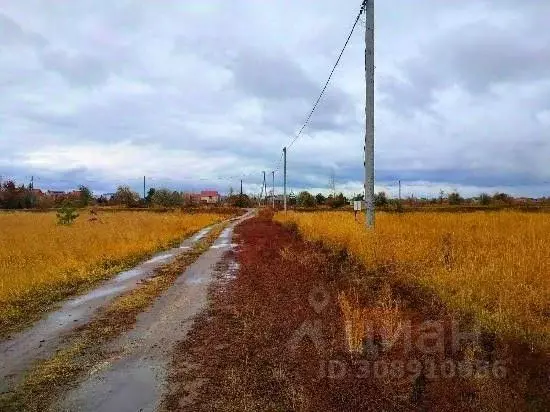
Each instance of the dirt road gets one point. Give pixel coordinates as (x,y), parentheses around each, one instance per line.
(134,378)
(41,340)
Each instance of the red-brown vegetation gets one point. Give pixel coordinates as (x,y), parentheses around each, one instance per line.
(277,337)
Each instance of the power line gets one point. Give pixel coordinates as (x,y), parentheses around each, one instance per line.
(278,167)
(323,90)
(329,77)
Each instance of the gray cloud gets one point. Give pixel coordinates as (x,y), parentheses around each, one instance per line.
(476,57)
(187,93)
(78,70)
(11,34)
(288,91)
(271,77)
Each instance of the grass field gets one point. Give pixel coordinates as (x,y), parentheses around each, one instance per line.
(42,262)
(494,266)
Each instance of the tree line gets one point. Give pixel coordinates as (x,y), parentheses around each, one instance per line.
(13,196)
(381,200)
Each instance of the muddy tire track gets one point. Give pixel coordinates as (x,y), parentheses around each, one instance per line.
(134,377)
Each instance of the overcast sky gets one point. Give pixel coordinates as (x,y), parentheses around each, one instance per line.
(194,94)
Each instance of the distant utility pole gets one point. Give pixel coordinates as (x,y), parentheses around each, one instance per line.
(261,193)
(241,187)
(144,187)
(399,191)
(332,183)
(369,112)
(265,189)
(284,178)
(273,189)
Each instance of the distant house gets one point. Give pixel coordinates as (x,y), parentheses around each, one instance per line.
(209,197)
(75,194)
(56,194)
(190,198)
(279,200)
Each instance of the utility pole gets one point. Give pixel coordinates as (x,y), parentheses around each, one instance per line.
(399,191)
(284,178)
(261,193)
(332,183)
(273,189)
(265,189)
(241,187)
(369,113)
(31,186)
(143,187)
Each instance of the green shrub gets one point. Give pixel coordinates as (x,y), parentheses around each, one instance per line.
(66,215)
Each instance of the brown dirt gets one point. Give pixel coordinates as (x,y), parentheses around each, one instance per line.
(273,339)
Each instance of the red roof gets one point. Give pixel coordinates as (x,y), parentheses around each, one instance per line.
(209,193)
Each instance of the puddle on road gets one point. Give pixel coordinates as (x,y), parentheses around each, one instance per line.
(226,234)
(222,245)
(59,319)
(197,280)
(128,274)
(201,234)
(99,293)
(160,258)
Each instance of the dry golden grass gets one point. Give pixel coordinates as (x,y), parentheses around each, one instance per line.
(41,262)
(492,265)
(355,322)
(384,316)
